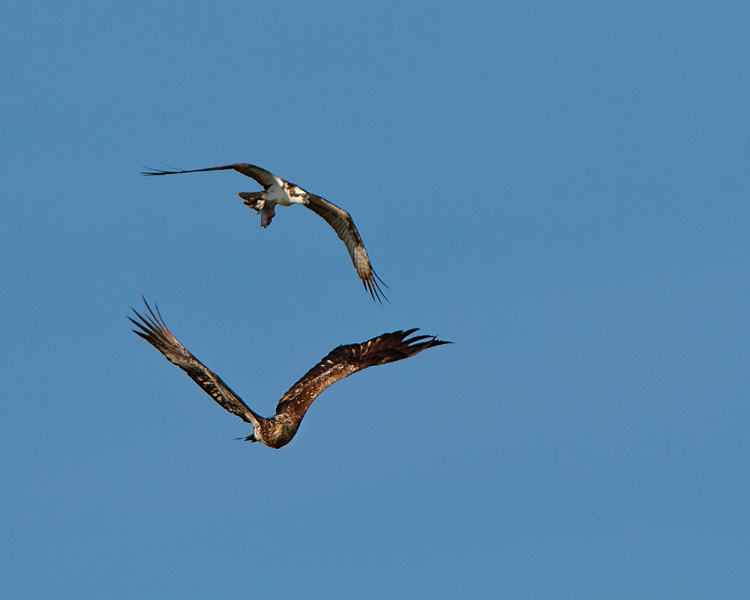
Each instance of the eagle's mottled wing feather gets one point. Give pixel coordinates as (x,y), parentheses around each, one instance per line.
(263,177)
(343,224)
(155,332)
(346,360)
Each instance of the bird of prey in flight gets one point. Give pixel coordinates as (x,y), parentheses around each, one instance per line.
(279,191)
(281,428)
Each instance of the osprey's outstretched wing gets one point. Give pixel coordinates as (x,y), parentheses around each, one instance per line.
(342,223)
(263,177)
(340,220)
(155,332)
(346,360)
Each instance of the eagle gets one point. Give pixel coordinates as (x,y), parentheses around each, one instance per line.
(282,192)
(279,430)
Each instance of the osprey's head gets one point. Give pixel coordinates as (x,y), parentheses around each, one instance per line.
(297,195)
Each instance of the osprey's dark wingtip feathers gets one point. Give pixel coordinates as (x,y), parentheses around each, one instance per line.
(152,171)
(371,285)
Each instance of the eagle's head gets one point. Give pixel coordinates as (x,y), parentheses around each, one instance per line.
(279,431)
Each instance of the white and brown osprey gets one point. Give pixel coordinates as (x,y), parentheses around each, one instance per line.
(279,191)
(279,430)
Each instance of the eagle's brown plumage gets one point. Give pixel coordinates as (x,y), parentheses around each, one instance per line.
(340,220)
(281,428)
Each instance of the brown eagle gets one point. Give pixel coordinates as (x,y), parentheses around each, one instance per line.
(279,191)
(281,428)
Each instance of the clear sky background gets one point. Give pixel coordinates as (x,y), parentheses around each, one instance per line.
(561,189)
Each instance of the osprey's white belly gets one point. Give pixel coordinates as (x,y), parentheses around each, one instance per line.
(285,193)
(278,195)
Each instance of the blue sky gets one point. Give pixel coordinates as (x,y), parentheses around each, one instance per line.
(561,190)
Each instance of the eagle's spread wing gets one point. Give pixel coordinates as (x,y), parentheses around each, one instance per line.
(263,177)
(155,332)
(343,225)
(345,360)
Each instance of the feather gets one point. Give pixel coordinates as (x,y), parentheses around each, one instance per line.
(280,191)
(282,427)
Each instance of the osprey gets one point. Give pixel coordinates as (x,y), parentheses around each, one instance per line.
(279,430)
(279,191)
